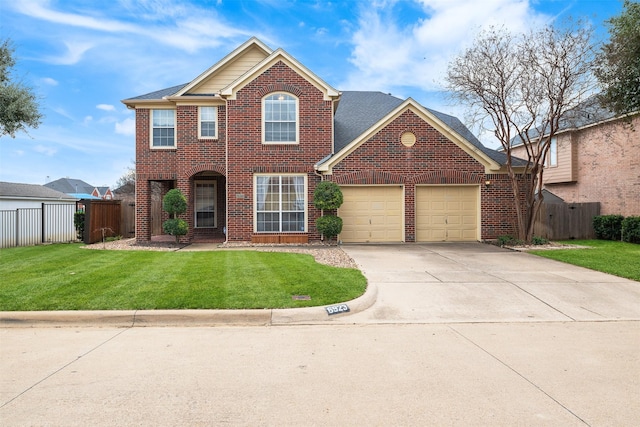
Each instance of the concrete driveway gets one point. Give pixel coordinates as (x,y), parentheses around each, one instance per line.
(475,282)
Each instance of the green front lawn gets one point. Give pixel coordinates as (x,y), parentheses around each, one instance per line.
(618,258)
(67,277)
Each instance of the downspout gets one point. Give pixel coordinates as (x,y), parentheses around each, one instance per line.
(226,168)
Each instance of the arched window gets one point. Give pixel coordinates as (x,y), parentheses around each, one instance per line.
(280,119)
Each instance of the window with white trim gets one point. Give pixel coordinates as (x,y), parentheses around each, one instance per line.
(208,123)
(552,155)
(163,128)
(280,203)
(280,118)
(205,204)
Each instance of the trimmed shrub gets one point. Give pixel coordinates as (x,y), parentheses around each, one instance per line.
(175,227)
(174,203)
(327,196)
(608,227)
(631,229)
(329,225)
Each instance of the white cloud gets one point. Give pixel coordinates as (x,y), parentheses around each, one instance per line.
(106,107)
(49,81)
(73,55)
(126,127)
(43,149)
(386,56)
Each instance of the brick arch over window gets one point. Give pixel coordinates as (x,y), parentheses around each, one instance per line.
(370,177)
(448,177)
(280,87)
(216,167)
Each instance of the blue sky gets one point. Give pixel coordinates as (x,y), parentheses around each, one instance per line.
(81,60)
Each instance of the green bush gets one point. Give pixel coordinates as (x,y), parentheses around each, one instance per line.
(327,195)
(174,202)
(329,225)
(175,227)
(78,223)
(508,240)
(537,240)
(608,227)
(631,229)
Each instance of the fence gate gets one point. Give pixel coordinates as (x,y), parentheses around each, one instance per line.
(563,221)
(102,219)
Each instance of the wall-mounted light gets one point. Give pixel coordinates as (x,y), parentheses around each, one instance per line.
(487,183)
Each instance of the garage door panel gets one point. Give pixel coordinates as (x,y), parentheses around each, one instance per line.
(371,214)
(446,213)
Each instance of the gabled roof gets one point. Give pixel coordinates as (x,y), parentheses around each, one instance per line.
(280,55)
(253,42)
(360,114)
(69,185)
(31,191)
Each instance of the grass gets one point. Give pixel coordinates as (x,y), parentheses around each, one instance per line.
(617,258)
(67,277)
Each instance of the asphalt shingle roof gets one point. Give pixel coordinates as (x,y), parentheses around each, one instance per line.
(159,94)
(69,185)
(31,190)
(358,111)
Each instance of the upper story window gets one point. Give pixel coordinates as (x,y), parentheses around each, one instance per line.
(553,153)
(208,122)
(280,118)
(163,124)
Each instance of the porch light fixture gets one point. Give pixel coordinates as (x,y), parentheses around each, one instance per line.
(487,183)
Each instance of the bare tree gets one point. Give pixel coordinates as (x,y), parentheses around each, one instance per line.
(520,86)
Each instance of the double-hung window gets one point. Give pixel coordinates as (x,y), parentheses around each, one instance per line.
(207,128)
(205,204)
(163,125)
(280,119)
(280,203)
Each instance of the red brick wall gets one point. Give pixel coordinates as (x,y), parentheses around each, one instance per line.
(247,154)
(191,156)
(433,159)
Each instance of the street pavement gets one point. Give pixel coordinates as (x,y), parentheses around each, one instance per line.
(449,334)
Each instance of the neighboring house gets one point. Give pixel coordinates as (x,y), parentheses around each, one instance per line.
(80,189)
(248,140)
(32,214)
(595,157)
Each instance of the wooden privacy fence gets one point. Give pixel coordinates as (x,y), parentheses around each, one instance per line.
(50,223)
(564,221)
(102,219)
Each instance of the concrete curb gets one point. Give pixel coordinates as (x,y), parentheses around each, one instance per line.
(181,318)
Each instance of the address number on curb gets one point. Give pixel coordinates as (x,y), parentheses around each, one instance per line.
(337,309)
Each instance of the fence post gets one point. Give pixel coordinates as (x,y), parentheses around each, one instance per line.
(17,226)
(42,224)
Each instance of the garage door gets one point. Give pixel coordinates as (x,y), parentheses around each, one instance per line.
(446,213)
(371,214)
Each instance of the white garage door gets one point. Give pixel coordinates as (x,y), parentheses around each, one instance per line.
(447,213)
(372,214)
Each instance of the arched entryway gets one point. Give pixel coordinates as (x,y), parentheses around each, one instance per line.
(207,206)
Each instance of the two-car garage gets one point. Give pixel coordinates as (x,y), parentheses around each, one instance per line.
(375,213)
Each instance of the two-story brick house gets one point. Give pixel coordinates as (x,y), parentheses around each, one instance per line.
(595,157)
(248,140)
